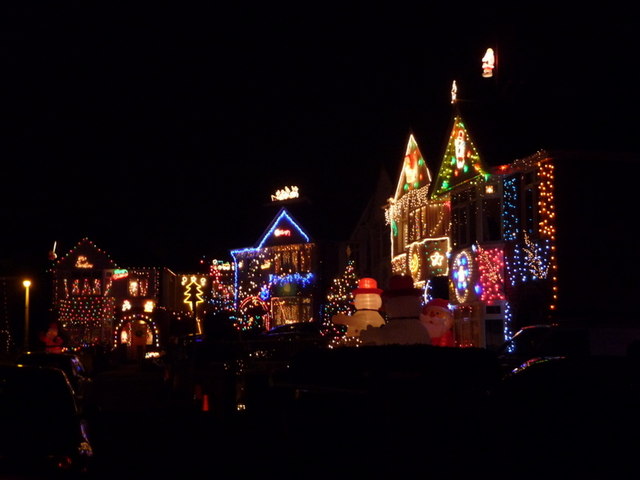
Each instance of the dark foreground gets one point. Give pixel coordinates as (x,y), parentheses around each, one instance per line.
(376,413)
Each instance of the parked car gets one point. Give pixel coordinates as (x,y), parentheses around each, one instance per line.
(542,341)
(571,413)
(42,430)
(69,363)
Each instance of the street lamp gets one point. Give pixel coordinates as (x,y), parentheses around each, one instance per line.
(26,284)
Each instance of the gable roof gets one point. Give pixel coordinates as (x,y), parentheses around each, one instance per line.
(283,230)
(414,173)
(85,255)
(461,161)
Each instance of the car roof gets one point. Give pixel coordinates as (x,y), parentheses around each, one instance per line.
(49,379)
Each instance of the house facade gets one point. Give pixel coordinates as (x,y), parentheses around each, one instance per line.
(275,281)
(97,302)
(481,237)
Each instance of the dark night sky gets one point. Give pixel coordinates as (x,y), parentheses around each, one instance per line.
(160,130)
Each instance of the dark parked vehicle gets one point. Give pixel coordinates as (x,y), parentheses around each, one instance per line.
(535,342)
(42,430)
(573,414)
(69,363)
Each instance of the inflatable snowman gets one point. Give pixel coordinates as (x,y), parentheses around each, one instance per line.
(438,318)
(402,304)
(367,301)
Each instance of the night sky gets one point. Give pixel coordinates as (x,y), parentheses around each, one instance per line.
(160,131)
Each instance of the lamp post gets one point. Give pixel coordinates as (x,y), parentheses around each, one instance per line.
(26,284)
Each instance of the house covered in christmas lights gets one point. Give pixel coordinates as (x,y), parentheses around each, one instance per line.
(97,302)
(488,232)
(275,281)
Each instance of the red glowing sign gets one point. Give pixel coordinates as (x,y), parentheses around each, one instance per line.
(119,273)
(280,232)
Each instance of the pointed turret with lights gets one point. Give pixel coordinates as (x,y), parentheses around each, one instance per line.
(461,161)
(419,227)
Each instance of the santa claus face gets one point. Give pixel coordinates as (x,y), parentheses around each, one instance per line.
(437,320)
(369,301)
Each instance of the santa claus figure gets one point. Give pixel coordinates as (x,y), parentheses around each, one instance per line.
(52,338)
(438,318)
(367,301)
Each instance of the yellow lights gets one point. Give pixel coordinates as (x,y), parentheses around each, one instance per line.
(126,305)
(488,63)
(134,289)
(149,306)
(26,284)
(489,190)
(193,290)
(286,193)
(436,259)
(546,204)
(454,92)
(83,262)
(414,265)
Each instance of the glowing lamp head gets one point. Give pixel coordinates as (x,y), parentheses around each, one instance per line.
(26,283)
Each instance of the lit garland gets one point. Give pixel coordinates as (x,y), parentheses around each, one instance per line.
(548,220)
(413,199)
(399,264)
(303,280)
(510,209)
(508,321)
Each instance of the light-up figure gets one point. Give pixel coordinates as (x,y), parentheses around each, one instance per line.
(401,302)
(438,319)
(488,63)
(367,301)
(411,169)
(461,148)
